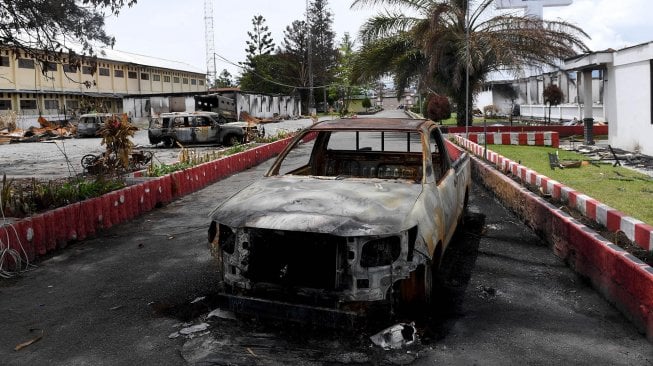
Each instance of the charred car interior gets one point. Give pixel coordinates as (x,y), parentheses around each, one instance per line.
(362,214)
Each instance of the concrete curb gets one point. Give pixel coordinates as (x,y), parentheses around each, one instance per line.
(615,221)
(563,131)
(621,278)
(517,138)
(48,231)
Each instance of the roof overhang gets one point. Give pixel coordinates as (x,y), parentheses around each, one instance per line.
(589,61)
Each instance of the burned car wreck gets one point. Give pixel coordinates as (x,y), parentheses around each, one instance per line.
(364,213)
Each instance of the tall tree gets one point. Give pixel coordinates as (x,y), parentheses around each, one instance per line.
(431,46)
(265,75)
(47,28)
(295,49)
(324,53)
(224,80)
(343,89)
(260,39)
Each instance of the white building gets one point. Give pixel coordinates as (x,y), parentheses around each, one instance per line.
(618,83)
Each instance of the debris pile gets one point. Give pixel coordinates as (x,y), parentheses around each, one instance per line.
(9,133)
(244,116)
(603,153)
(396,337)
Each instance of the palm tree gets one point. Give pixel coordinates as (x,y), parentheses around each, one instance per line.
(431,47)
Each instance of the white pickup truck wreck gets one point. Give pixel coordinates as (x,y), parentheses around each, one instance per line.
(362,214)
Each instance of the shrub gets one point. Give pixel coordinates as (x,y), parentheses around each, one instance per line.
(438,108)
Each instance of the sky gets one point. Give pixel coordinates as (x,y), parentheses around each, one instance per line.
(174,29)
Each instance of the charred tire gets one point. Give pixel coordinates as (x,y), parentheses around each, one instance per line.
(415,293)
(231,140)
(89,160)
(168,142)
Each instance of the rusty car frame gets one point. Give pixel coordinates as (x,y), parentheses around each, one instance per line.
(364,216)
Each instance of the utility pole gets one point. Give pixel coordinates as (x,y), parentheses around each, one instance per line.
(309,40)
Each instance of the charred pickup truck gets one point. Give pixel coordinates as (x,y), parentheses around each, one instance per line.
(362,214)
(198,127)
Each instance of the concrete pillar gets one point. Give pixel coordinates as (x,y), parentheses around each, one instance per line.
(588,117)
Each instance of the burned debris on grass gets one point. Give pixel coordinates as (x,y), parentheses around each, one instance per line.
(9,133)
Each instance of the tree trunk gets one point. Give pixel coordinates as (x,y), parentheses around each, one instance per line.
(460,109)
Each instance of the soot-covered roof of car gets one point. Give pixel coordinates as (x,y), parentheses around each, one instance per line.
(370,124)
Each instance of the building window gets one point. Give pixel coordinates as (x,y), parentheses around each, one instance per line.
(28,104)
(68,68)
(201,82)
(166,78)
(25,63)
(185,80)
(193,81)
(119,73)
(104,71)
(51,104)
(176,79)
(4,61)
(132,75)
(5,104)
(87,70)
(49,66)
(145,76)
(72,104)
(156,77)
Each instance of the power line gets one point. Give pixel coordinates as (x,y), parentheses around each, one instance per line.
(278,82)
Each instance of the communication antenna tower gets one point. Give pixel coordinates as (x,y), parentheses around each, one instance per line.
(210,44)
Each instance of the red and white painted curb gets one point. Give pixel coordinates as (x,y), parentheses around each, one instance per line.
(639,232)
(517,138)
(45,232)
(621,278)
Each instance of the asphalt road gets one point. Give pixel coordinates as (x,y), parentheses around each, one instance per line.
(116,299)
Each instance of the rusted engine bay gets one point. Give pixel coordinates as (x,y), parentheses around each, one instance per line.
(319,265)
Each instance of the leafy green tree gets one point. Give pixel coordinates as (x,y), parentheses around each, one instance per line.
(424,42)
(265,75)
(260,39)
(343,89)
(224,80)
(553,96)
(45,29)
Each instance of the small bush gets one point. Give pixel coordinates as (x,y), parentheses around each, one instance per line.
(438,108)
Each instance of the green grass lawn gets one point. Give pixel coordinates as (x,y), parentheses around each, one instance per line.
(617,187)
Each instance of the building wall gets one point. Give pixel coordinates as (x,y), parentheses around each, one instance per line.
(59,93)
(631,95)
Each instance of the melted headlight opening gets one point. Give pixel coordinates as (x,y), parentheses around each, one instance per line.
(380,252)
(226,239)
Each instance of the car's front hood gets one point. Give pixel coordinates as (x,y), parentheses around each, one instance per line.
(348,207)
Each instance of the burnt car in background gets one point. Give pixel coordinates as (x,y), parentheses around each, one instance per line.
(89,124)
(199,128)
(363,214)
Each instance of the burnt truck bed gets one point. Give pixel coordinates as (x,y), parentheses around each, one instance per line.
(365,217)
